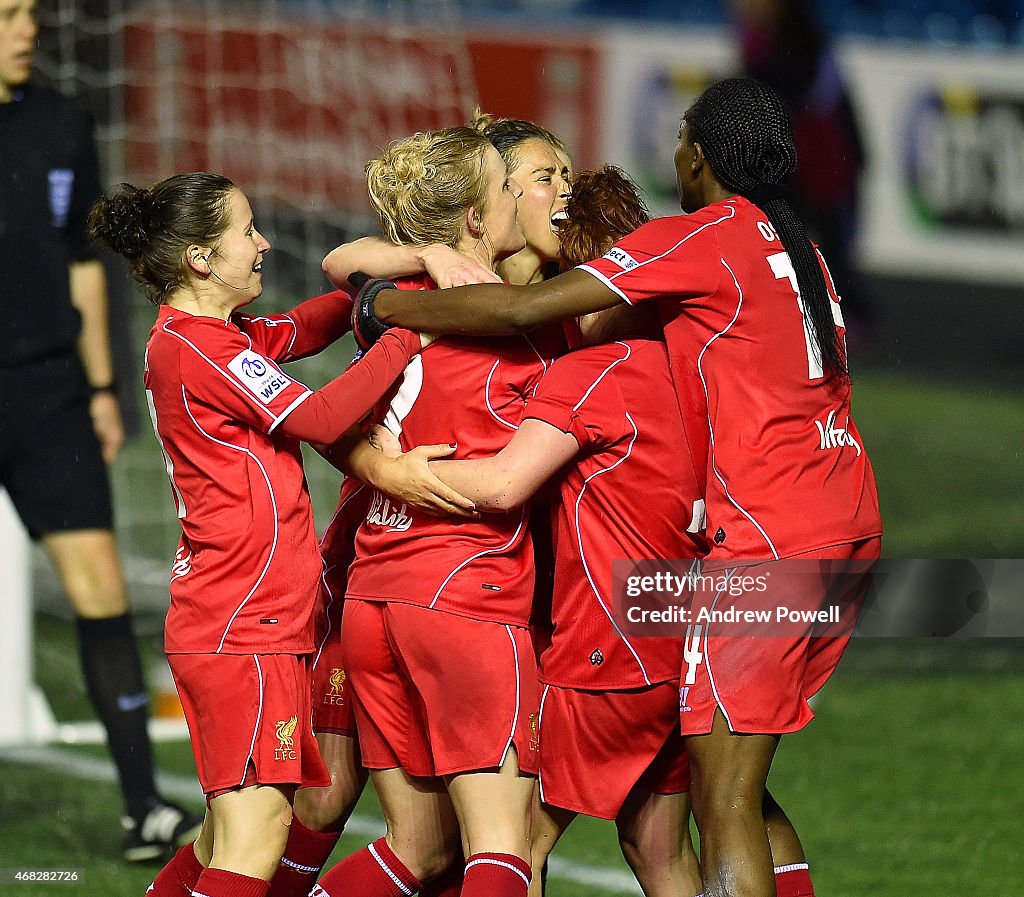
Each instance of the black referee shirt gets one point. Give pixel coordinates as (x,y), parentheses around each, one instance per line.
(49,177)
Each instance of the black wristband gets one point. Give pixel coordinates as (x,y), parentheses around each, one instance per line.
(110,387)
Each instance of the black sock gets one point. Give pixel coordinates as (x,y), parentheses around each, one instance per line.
(113,677)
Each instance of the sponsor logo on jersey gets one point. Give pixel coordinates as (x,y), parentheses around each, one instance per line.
(534,723)
(831,436)
(597,658)
(182,565)
(257,375)
(61,180)
(335,695)
(623,259)
(284,730)
(383,513)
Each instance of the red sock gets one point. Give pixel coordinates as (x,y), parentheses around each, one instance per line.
(496,875)
(179,876)
(304,857)
(221,883)
(374,871)
(793,881)
(448,883)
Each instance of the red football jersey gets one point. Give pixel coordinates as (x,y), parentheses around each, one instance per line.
(784,467)
(472,391)
(245,574)
(630,494)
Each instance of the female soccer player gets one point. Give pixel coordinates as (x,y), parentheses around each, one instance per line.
(244,579)
(754,334)
(434,638)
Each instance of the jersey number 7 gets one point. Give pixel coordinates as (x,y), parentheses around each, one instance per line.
(782,268)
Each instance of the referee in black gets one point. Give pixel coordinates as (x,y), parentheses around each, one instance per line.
(60,423)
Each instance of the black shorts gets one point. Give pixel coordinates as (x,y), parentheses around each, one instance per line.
(50,459)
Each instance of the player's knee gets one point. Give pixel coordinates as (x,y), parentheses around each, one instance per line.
(424,855)
(325,809)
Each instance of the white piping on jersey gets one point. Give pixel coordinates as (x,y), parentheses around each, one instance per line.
(290,409)
(601,376)
(405,889)
(179,499)
(405,398)
(487,398)
(583,553)
(609,280)
(515,717)
(540,726)
(543,362)
(707,656)
(480,554)
(218,368)
(486,861)
(707,402)
(276,322)
(273,502)
(256,725)
(326,570)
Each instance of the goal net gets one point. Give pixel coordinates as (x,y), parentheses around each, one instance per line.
(289,100)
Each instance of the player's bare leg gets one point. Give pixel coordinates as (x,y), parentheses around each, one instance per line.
(782,837)
(654,834)
(203,845)
(547,825)
(422,828)
(493,808)
(250,828)
(727,779)
(320,816)
(328,809)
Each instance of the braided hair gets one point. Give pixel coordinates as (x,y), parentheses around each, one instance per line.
(744,129)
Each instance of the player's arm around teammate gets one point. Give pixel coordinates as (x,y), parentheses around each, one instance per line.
(228,419)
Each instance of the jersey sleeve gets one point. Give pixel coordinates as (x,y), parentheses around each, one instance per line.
(307,329)
(224,370)
(577,396)
(659,261)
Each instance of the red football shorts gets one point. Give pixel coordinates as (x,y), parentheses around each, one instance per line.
(762,673)
(248,718)
(436,693)
(330,695)
(595,746)
(332,706)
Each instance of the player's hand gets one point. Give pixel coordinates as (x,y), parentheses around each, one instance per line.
(408,478)
(106,423)
(448,267)
(367,328)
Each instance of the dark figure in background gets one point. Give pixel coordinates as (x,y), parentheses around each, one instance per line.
(60,423)
(783,45)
